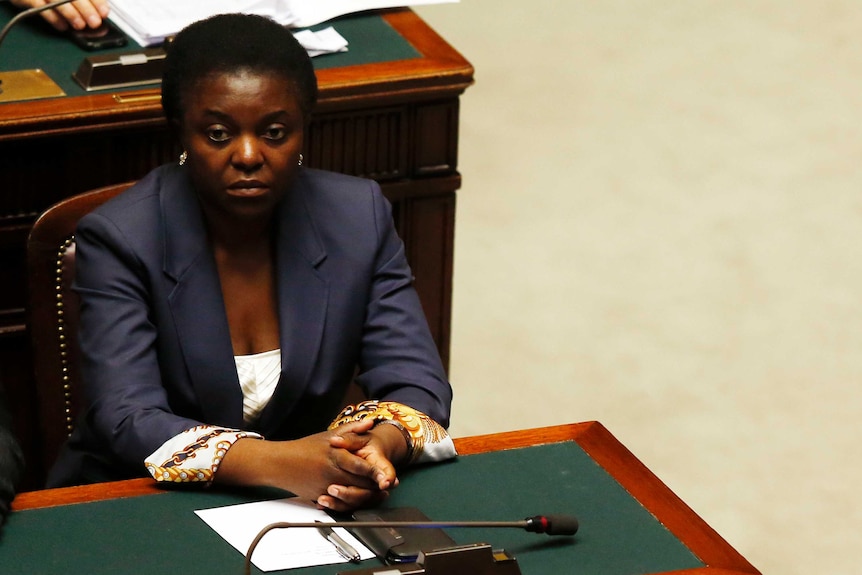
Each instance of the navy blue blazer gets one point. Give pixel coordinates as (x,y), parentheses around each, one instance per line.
(156,349)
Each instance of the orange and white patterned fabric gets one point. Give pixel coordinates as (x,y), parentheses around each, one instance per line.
(427,440)
(193,455)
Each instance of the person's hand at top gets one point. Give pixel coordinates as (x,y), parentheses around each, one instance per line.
(77,15)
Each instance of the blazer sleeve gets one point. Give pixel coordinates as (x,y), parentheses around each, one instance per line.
(128,407)
(399,360)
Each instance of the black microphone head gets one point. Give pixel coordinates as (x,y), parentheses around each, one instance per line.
(552,524)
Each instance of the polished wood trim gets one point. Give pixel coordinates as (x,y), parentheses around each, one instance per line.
(718,556)
(85,493)
(656,497)
(440,68)
(517,439)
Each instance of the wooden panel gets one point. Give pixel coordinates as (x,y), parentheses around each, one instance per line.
(369,143)
(426,222)
(436,149)
(41,171)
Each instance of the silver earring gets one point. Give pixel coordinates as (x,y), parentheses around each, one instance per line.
(183,157)
(299,163)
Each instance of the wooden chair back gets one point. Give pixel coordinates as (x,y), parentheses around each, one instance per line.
(53,316)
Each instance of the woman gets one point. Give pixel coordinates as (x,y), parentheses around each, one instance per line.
(233,296)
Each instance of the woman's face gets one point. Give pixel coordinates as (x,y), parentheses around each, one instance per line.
(243,132)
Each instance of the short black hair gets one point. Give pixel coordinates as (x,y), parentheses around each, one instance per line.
(230,43)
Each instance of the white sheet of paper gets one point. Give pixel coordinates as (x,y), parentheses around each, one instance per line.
(326,41)
(280,548)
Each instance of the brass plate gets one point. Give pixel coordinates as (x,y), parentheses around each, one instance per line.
(27,85)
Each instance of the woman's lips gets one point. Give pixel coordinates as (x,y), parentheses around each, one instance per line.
(247,188)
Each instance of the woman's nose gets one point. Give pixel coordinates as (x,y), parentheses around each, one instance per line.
(247,154)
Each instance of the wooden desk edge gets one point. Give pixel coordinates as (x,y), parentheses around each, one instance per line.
(85,493)
(718,556)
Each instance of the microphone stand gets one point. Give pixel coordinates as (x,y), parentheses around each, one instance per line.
(31,83)
(473,559)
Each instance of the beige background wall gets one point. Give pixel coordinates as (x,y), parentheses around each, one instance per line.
(660,229)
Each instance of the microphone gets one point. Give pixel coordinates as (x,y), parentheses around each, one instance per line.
(552,524)
(33,83)
(549,524)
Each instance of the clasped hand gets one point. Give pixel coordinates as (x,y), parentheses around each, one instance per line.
(345,468)
(364,454)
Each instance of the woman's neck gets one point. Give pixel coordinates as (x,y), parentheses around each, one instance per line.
(237,235)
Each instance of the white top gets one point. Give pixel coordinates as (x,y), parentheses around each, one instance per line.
(258,375)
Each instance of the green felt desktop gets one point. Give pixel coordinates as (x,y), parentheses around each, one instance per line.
(161,533)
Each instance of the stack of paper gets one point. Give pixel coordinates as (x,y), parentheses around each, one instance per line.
(311,12)
(152,21)
(149,22)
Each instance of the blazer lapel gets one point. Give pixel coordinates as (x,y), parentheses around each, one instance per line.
(303,296)
(197,305)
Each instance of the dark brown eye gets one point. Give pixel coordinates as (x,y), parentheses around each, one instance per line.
(275,132)
(218,133)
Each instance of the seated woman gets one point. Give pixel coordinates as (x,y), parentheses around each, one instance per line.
(229,299)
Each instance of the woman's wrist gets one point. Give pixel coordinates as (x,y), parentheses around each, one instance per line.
(238,465)
(396,439)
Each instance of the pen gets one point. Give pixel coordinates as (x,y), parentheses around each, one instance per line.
(343,547)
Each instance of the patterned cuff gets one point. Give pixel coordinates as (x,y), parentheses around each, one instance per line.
(427,440)
(194,454)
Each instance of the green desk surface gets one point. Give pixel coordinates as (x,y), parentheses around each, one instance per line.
(33,44)
(161,533)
